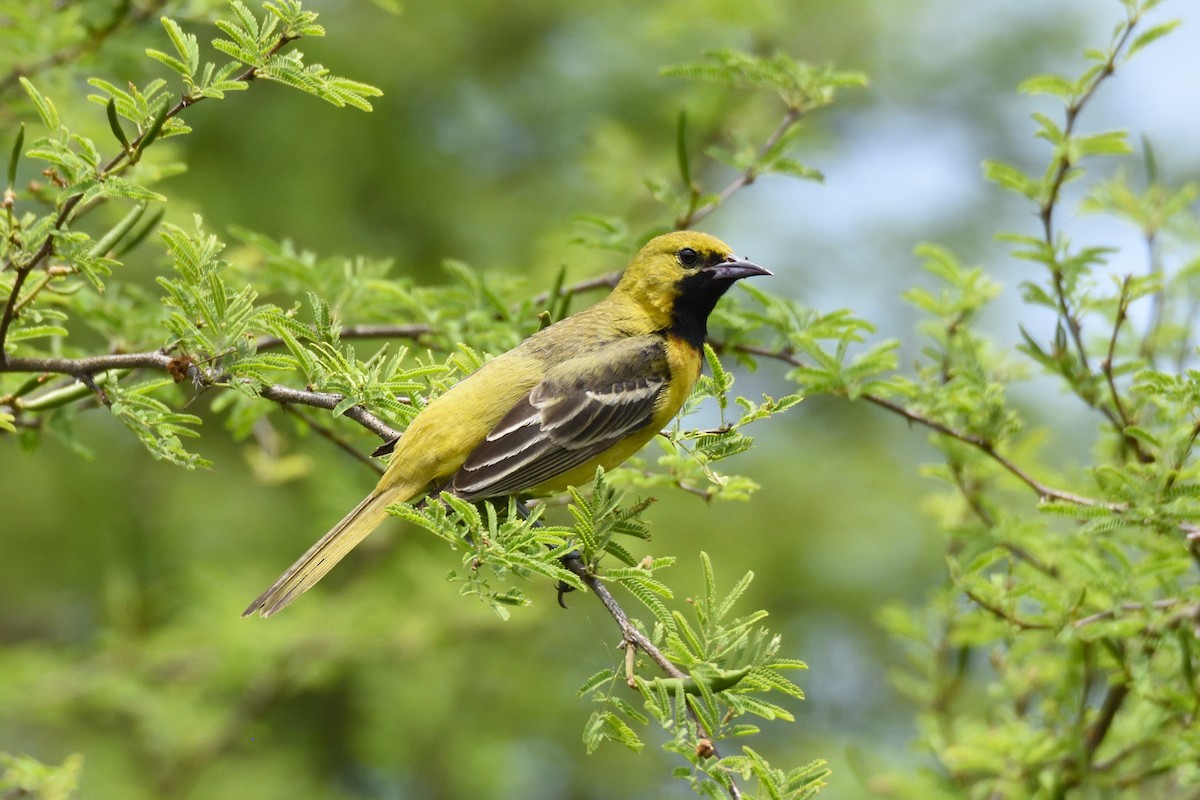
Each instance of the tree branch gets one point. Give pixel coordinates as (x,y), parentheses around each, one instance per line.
(1062,166)
(997,611)
(605,281)
(285,395)
(634,638)
(744,179)
(93,41)
(329,434)
(68,207)
(159,360)
(1113,699)
(1044,492)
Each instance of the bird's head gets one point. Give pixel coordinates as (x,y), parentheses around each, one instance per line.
(678,278)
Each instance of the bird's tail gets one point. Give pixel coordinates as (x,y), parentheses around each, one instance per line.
(325,554)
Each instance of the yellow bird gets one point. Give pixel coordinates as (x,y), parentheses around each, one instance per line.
(588,391)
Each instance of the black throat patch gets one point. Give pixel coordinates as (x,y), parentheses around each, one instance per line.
(698,295)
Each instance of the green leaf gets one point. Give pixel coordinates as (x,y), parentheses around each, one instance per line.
(1012,178)
(185,45)
(45,108)
(114,123)
(152,132)
(681,151)
(14,158)
(35,332)
(1111,143)
(1150,36)
(169,61)
(1055,85)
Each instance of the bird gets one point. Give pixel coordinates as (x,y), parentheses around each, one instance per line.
(588,391)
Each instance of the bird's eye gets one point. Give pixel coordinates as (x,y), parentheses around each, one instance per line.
(689,257)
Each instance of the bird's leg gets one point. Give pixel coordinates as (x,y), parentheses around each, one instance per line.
(573,558)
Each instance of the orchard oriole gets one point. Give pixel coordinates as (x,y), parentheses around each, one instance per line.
(588,391)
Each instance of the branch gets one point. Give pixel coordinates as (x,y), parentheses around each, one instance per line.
(605,281)
(1004,615)
(744,179)
(90,43)
(1189,611)
(1124,420)
(157,359)
(331,435)
(634,638)
(1113,699)
(1043,491)
(1062,169)
(286,394)
(80,368)
(64,215)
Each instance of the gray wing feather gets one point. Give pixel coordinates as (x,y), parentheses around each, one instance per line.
(558,426)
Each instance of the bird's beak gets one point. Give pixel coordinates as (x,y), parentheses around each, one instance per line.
(734,268)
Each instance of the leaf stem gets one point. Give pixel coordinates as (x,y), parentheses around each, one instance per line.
(744,178)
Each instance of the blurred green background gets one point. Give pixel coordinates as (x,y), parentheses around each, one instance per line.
(121,578)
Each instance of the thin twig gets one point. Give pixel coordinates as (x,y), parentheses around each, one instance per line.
(331,435)
(634,638)
(1107,366)
(744,178)
(158,360)
(90,43)
(47,246)
(1044,492)
(605,281)
(985,516)
(1061,170)
(1113,699)
(1004,615)
(1158,304)
(286,394)
(1112,612)
(1125,420)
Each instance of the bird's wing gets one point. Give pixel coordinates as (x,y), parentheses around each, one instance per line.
(581,408)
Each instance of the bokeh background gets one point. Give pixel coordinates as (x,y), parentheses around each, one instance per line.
(121,578)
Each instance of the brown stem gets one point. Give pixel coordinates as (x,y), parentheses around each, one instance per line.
(329,434)
(1113,699)
(1112,612)
(1062,169)
(161,361)
(1044,492)
(634,638)
(746,177)
(1125,421)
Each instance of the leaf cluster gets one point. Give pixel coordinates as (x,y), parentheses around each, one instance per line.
(729,664)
